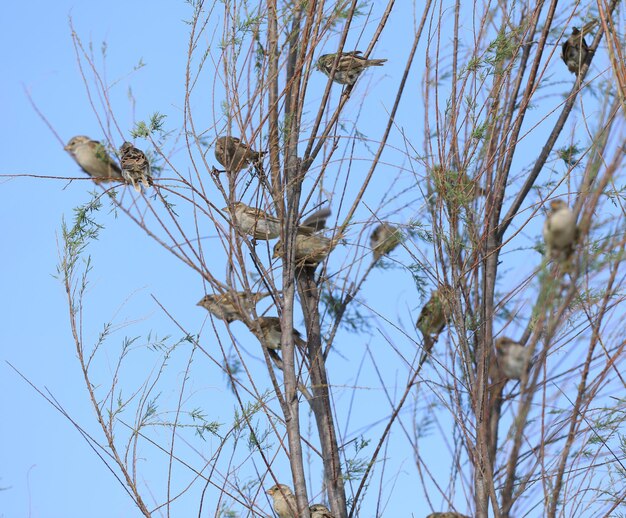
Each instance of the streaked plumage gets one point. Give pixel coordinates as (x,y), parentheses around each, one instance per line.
(384,239)
(513,358)
(560,232)
(93,158)
(258,223)
(271,330)
(235,156)
(284,501)
(310,249)
(320,511)
(135,166)
(575,51)
(254,222)
(228,306)
(349,67)
(433,318)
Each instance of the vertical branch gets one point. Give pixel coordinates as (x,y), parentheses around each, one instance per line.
(272,85)
(322,409)
(292,184)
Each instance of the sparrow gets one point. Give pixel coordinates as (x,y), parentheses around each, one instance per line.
(258,223)
(254,222)
(559,231)
(235,156)
(384,239)
(228,306)
(284,501)
(92,158)
(317,220)
(513,358)
(271,331)
(432,319)
(320,511)
(135,166)
(449,514)
(575,51)
(310,249)
(349,67)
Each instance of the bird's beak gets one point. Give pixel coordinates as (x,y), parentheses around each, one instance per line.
(66,147)
(225,209)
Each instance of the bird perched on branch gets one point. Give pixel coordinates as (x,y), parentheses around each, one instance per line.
(575,51)
(349,66)
(228,306)
(310,249)
(272,332)
(320,511)
(258,223)
(512,357)
(384,239)
(93,158)
(433,318)
(254,222)
(560,231)
(284,501)
(135,166)
(235,156)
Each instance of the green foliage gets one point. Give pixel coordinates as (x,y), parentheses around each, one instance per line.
(203,426)
(341,11)
(416,230)
(240,421)
(258,438)
(503,48)
(569,154)
(356,466)
(420,276)
(84,230)
(351,319)
(455,187)
(144,130)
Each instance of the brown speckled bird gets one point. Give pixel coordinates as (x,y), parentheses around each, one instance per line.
(310,249)
(284,501)
(575,51)
(93,158)
(228,306)
(384,239)
(258,223)
(235,156)
(560,232)
(320,511)
(135,166)
(254,222)
(271,330)
(433,318)
(349,67)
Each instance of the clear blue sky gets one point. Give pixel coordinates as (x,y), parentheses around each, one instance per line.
(47,469)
